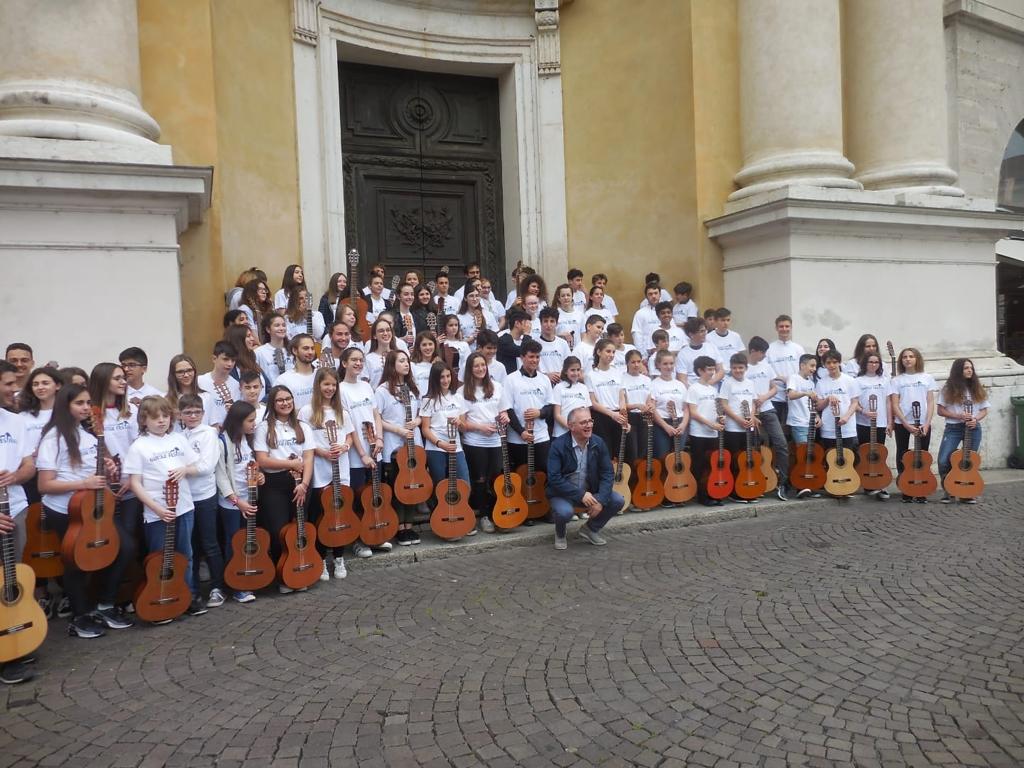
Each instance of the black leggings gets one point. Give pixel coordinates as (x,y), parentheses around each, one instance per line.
(76,582)
(636,440)
(903,441)
(608,430)
(700,463)
(484,466)
(276,507)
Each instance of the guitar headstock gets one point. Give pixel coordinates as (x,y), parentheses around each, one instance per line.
(331,427)
(171,493)
(872,402)
(368,433)
(114,475)
(353,258)
(835,410)
(97,420)
(252,474)
(915,409)
(444,270)
(431,286)
(327,359)
(968,407)
(453,430)
(395,280)
(890,349)
(432,320)
(502,429)
(719,409)
(649,419)
(403,394)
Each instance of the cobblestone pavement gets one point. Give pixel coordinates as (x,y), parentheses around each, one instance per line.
(864,634)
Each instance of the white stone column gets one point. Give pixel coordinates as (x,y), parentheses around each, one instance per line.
(791,101)
(897,120)
(70,70)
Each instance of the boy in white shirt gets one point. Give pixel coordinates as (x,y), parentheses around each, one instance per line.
(735,392)
(554,349)
(615,333)
(684,307)
(840,389)
(135,363)
(762,376)
(705,426)
(646,318)
(696,331)
(802,398)
(600,280)
(726,341)
(575,279)
(526,395)
(676,337)
(222,388)
(300,379)
(784,358)
(487,343)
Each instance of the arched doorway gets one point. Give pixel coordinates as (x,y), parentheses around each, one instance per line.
(1010,252)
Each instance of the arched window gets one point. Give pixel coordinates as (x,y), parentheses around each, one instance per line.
(1011,172)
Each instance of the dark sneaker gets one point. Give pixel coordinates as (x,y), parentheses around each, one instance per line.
(920,500)
(414,538)
(738,500)
(882,495)
(113,618)
(85,627)
(197,607)
(14,672)
(404,537)
(592,536)
(64,608)
(781,493)
(803,493)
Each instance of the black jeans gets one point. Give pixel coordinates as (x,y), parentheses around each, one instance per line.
(484,465)
(76,581)
(701,449)
(276,508)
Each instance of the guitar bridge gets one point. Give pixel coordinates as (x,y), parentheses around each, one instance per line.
(44,555)
(339,527)
(96,544)
(301,568)
(16,628)
(249,572)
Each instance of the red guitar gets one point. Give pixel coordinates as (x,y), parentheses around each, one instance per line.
(164,594)
(917,480)
(720,480)
(650,489)
(355,298)
(380,521)
(808,467)
(452,518)
(413,484)
(92,541)
(339,524)
(250,567)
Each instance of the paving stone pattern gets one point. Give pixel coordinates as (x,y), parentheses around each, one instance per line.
(866,634)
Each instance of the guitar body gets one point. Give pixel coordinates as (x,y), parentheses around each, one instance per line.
(300,564)
(649,491)
(250,568)
(452,518)
(873,468)
(680,485)
(42,545)
(768,467)
(413,484)
(92,540)
(807,472)
(380,521)
(535,495)
(339,525)
(158,599)
(750,482)
(917,481)
(963,483)
(720,480)
(22,621)
(841,479)
(621,486)
(510,507)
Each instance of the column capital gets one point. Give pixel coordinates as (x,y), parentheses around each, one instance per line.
(306,21)
(549,50)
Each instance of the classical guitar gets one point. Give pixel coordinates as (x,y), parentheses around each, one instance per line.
(510,506)
(534,483)
(300,565)
(163,594)
(339,523)
(250,567)
(309,323)
(42,544)
(680,485)
(650,490)
(327,359)
(224,393)
(452,518)
(622,474)
(22,621)
(279,361)
(892,358)
(720,479)
(841,479)
(767,463)
(355,298)
(916,480)
(413,484)
(380,521)
(92,541)
(964,478)
(807,471)
(750,480)
(873,468)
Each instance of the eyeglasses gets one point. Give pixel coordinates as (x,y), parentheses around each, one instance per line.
(192,412)
(283,400)
(585,423)
(131,365)
(184,371)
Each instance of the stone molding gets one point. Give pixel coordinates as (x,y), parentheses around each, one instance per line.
(306,21)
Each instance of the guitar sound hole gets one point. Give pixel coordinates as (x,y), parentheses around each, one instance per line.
(452,498)
(167,575)
(300,542)
(378,501)
(11,594)
(251,549)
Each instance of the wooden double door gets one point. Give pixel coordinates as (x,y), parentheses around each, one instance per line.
(422,171)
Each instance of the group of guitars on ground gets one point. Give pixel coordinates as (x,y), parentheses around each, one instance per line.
(352,425)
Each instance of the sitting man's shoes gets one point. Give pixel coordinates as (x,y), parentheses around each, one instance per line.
(592,536)
(561,543)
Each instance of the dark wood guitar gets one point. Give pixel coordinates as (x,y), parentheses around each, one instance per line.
(650,489)
(279,361)
(42,544)
(534,483)
(300,565)
(892,358)
(355,297)
(680,485)
(510,506)
(339,523)
(720,480)
(964,478)
(917,480)
(807,471)
(873,468)
(22,621)
(309,322)
(163,594)
(413,484)
(452,518)
(622,475)
(841,479)
(750,480)
(380,521)
(250,567)
(92,541)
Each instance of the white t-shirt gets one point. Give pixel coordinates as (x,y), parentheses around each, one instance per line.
(497,371)
(681,312)
(727,345)
(373,370)
(703,398)
(569,323)
(610,305)
(620,357)
(205,441)
(686,356)
(584,350)
(421,375)
(521,393)
(151,457)
(579,300)
(53,455)
(911,387)
(15,445)
(243,455)
(300,384)
(322,470)
(644,322)
(665,392)
(607,314)
(119,432)
(676,338)
(735,393)
(958,408)
(762,376)
(467,323)
(637,390)
(358,400)
(135,395)
(553,354)
(665,296)
(216,406)
(392,410)
(34,425)
(880,387)
(447,305)
(605,386)
(846,389)
(280,299)
(319,326)
(569,397)
(265,360)
(438,410)
(799,414)
(287,442)
(483,410)
(784,358)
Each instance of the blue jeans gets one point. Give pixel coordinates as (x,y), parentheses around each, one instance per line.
(562,510)
(663,443)
(799,434)
(951,439)
(154,533)
(205,540)
(437,465)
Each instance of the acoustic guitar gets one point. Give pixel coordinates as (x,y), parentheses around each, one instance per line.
(42,544)
(916,480)
(22,621)
(892,358)
(807,471)
(339,523)
(413,484)
(309,322)
(621,475)
(650,490)
(767,463)
(750,480)
(841,479)
(300,565)
(720,480)
(380,521)
(680,485)
(355,298)
(873,468)
(510,506)
(163,594)
(91,541)
(250,567)
(534,483)
(964,478)
(452,518)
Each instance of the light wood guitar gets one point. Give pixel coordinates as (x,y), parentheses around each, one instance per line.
(680,485)
(873,468)
(841,478)
(22,621)
(622,475)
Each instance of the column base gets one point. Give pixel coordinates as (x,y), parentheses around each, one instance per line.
(812,169)
(918,178)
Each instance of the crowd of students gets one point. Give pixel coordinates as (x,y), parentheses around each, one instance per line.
(430,357)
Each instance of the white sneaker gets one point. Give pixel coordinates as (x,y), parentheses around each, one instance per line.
(361,550)
(340,571)
(560,542)
(244,597)
(325,575)
(387,546)
(486,525)
(284,590)
(472,532)
(216,598)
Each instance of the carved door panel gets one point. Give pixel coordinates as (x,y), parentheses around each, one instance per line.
(421,165)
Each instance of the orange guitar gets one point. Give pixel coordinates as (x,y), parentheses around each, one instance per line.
(163,594)
(380,522)
(22,621)
(42,544)
(680,485)
(964,478)
(750,480)
(452,518)
(917,481)
(355,298)
(300,565)
(339,524)
(250,567)
(807,470)
(510,506)
(534,483)
(413,484)
(650,490)
(841,479)
(92,541)
(873,468)
(720,479)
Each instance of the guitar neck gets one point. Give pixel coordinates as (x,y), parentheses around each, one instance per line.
(873,433)
(169,535)
(811,430)
(250,522)
(529,453)
(10,590)
(649,461)
(504,463)
(101,469)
